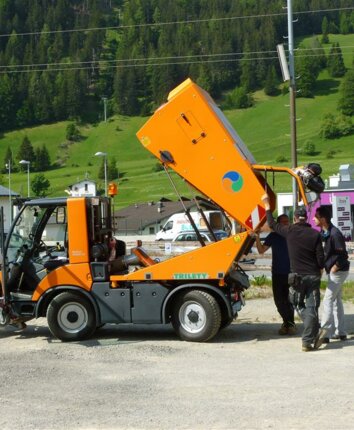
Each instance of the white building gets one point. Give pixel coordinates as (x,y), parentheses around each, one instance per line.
(6,197)
(82,188)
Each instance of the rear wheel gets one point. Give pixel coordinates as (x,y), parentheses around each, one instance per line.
(196,316)
(71,317)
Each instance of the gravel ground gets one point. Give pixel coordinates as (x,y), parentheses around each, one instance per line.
(144,378)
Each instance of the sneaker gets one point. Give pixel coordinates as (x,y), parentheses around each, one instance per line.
(283,330)
(292,330)
(307,348)
(337,337)
(320,338)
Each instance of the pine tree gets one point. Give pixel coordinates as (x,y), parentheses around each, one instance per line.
(26,151)
(101,173)
(271,83)
(335,62)
(308,68)
(325,38)
(40,185)
(9,160)
(42,159)
(7,102)
(112,170)
(248,70)
(346,101)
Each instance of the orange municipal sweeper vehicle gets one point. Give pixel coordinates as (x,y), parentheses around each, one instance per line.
(60,259)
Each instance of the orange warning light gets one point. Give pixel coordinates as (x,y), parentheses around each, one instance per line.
(112,189)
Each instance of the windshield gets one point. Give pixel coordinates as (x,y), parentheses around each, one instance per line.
(24,230)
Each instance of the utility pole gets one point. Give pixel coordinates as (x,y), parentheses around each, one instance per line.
(105,108)
(8,166)
(292,89)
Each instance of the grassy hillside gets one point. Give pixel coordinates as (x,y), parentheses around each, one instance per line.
(264,129)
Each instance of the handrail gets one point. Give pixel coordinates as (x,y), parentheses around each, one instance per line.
(263,167)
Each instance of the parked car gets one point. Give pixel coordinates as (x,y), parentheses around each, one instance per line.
(180,245)
(190,236)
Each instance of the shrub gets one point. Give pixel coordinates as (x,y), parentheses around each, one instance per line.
(336,126)
(158,167)
(309,148)
(238,99)
(72,132)
(330,154)
(281,159)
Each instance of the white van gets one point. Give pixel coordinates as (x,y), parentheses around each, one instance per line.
(179,222)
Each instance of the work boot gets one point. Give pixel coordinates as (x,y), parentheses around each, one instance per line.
(18,323)
(292,330)
(322,334)
(307,348)
(283,330)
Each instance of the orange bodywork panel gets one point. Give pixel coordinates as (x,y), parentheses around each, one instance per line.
(207,152)
(77,231)
(209,262)
(78,275)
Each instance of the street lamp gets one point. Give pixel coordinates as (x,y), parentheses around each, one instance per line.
(104,154)
(24,162)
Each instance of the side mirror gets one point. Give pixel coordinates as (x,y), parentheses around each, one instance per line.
(60,216)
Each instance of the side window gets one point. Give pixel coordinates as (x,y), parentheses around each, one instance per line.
(169,225)
(55,231)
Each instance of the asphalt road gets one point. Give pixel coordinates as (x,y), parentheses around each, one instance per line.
(143,377)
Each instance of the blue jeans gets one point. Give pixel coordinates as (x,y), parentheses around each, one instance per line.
(306,300)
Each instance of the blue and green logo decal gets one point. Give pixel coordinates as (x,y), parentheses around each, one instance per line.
(232,181)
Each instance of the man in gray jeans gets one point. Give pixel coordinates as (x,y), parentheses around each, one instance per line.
(337,269)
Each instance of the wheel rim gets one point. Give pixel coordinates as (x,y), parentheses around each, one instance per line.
(72,317)
(192,317)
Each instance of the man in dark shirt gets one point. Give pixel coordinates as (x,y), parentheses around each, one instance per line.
(337,269)
(306,261)
(280,273)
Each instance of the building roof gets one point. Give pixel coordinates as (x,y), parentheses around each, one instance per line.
(5,192)
(82,182)
(140,215)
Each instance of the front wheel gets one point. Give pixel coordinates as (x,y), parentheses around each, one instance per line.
(196,316)
(70,317)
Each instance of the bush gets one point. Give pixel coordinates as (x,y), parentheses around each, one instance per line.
(72,132)
(309,148)
(281,159)
(336,126)
(238,99)
(158,167)
(330,154)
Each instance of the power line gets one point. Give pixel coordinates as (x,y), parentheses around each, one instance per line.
(68,65)
(124,66)
(139,59)
(191,21)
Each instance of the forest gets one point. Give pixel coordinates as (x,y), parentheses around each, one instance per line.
(59,59)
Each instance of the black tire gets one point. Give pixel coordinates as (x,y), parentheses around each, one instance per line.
(225,321)
(196,316)
(71,317)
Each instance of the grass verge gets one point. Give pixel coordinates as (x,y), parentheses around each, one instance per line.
(261,288)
